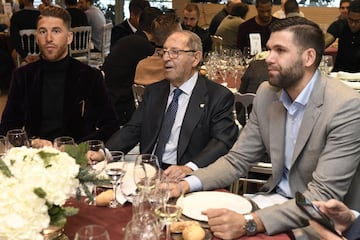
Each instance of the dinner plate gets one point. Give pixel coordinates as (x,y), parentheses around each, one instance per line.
(195,203)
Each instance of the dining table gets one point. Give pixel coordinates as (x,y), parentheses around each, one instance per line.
(115,220)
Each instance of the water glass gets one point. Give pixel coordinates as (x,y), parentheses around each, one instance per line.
(3,145)
(92,232)
(17,138)
(115,169)
(61,142)
(326,64)
(143,226)
(146,171)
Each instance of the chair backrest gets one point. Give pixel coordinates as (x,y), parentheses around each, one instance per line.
(81,44)
(106,40)
(245,100)
(216,43)
(138,92)
(28,43)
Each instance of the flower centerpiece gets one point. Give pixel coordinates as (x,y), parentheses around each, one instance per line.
(34,186)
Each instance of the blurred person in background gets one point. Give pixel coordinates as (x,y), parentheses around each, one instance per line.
(216,20)
(78,17)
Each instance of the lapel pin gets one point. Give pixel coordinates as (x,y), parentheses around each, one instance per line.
(202,105)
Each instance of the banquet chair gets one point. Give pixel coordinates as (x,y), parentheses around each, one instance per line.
(99,57)
(260,172)
(28,43)
(138,91)
(216,43)
(81,44)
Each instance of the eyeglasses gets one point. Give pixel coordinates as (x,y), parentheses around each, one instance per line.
(355,21)
(173,53)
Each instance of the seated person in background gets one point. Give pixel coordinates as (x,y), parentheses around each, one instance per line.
(129,26)
(201,130)
(228,28)
(152,69)
(120,65)
(344,8)
(78,17)
(347,31)
(216,20)
(190,22)
(58,95)
(46,3)
(26,18)
(307,123)
(281,13)
(291,8)
(346,221)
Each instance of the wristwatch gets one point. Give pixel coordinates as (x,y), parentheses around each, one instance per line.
(250,225)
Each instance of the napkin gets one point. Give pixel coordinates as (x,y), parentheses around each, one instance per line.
(348,76)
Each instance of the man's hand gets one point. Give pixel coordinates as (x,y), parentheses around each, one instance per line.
(225,224)
(338,212)
(39,143)
(177,188)
(323,232)
(95,156)
(175,172)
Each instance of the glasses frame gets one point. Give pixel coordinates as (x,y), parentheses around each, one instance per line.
(173,53)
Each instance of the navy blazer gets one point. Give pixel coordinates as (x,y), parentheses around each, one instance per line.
(88,111)
(353,233)
(208,130)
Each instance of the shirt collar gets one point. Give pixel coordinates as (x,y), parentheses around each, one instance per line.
(133,29)
(188,86)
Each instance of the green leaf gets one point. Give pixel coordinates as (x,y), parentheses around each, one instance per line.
(78,153)
(46,157)
(40,192)
(4,169)
(70,211)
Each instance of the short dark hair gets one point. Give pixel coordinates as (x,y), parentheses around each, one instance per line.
(147,17)
(239,10)
(354,6)
(163,26)
(70,2)
(306,34)
(257,2)
(343,1)
(57,12)
(191,7)
(138,6)
(291,6)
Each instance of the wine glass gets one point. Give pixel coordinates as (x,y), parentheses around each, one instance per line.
(143,226)
(146,171)
(61,142)
(170,211)
(115,169)
(92,232)
(17,138)
(248,56)
(327,64)
(96,155)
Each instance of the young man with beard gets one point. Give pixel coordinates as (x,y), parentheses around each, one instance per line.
(57,95)
(307,123)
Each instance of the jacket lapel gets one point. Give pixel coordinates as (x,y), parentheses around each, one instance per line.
(196,107)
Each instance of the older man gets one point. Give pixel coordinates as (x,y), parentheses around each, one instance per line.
(58,95)
(308,124)
(186,119)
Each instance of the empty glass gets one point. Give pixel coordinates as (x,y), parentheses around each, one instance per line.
(92,232)
(17,138)
(61,142)
(143,226)
(146,171)
(326,64)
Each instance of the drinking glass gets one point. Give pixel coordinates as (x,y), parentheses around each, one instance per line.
(143,226)
(17,138)
(115,169)
(146,171)
(170,211)
(61,142)
(248,56)
(96,155)
(92,232)
(326,64)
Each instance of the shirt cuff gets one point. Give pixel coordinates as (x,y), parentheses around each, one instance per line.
(192,166)
(194,183)
(356,213)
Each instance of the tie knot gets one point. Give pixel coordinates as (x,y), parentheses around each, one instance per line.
(177,93)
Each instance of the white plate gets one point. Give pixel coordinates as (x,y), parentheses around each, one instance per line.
(354,85)
(195,203)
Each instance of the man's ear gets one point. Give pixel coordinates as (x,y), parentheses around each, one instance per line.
(197,58)
(70,37)
(309,57)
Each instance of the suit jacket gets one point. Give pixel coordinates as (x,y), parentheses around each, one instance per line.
(121,30)
(88,112)
(326,157)
(353,233)
(208,130)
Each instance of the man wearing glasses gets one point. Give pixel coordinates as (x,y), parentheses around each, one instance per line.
(201,127)
(348,32)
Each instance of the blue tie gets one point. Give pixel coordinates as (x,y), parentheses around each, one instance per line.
(167,124)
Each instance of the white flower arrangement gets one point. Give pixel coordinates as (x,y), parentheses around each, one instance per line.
(34,185)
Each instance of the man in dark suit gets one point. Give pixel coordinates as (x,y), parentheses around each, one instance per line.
(203,128)
(129,26)
(57,95)
(120,64)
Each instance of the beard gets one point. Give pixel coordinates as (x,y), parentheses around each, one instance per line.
(288,76)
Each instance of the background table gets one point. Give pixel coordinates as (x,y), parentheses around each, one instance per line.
(115,220)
